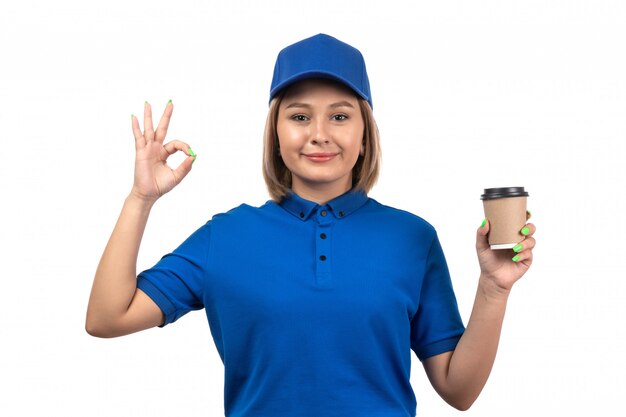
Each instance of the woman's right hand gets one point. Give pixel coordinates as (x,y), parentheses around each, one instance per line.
(153,177)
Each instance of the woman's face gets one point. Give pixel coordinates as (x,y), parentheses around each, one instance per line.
(320,134)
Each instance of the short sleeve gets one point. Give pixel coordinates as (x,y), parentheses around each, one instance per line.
(437,326)
(176,282)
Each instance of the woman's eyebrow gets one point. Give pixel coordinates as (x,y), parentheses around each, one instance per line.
(297,104)
(342,104)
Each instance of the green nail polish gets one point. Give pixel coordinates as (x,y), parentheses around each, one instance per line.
(169,101)
(145,102)
(515,258)
(529,213)
(131,116)
(525,231)
(191,153)
(517,248)
(483,223)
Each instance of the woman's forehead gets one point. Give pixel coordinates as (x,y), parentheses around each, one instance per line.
(318,87)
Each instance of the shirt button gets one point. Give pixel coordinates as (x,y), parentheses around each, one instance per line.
(323,235)
(323,213)
(341,214)
(322,258)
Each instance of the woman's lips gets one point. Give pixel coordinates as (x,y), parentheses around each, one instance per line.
(320,157)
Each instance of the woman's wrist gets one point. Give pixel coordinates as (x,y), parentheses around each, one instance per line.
(139,201)
(491,290)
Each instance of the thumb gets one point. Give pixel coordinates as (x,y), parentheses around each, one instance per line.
(482,243)
(184,168)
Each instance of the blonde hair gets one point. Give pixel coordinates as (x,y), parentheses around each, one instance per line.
(278,177)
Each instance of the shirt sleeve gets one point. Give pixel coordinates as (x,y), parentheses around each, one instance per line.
(437,326)
(176,282)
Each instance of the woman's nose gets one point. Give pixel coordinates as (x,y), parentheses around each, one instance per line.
(320,133)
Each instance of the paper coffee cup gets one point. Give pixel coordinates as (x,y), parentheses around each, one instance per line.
(505,208)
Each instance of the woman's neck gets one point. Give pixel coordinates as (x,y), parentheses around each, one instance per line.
(320,193)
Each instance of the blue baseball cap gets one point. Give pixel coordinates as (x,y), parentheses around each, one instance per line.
(321,56)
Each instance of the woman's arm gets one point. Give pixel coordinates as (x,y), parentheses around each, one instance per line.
(459,376)
(114,289)
(116,307)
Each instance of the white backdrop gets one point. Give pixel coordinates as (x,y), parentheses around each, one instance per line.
(467,95)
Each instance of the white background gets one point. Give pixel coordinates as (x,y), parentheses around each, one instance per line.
(467,95)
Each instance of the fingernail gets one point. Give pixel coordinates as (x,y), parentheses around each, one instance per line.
(191,152)
(517,248)
(483,223)
(170,101)
(529,213)
(131,116)
(525,231)
(145,102)
(515,258)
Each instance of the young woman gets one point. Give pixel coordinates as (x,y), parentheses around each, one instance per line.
(315,299)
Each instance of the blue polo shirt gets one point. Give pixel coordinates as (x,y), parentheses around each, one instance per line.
(314,309)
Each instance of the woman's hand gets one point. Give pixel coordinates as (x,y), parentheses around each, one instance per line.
(504,267)
(153,177)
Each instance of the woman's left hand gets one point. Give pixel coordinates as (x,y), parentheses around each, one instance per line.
(505,266)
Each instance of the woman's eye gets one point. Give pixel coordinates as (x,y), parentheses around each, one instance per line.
(340,117)
(299,117)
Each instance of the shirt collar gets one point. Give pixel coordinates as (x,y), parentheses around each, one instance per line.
(340,207)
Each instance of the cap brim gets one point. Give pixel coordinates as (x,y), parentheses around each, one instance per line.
(314,74)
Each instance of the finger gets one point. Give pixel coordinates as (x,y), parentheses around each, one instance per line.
(527,244)
(161,130)
(177,145)
(528,229)
(148,131)
(482,242)
(525,257)
(183,169)
(140,141)
(528,214)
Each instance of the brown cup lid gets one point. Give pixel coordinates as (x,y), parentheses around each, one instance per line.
(504,192)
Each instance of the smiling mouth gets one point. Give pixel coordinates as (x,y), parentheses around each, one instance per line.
(320,157)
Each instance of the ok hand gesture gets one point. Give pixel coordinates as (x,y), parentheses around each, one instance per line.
(153,177)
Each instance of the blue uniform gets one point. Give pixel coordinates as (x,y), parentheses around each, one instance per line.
(314,309)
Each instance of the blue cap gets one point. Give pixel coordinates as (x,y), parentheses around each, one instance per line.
(321,56)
